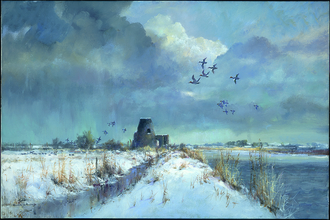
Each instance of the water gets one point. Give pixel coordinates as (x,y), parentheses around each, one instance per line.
(305,178)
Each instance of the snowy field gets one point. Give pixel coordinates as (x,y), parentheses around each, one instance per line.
(174,187)
(29,178)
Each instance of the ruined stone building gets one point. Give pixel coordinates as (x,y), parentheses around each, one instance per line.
(145,135)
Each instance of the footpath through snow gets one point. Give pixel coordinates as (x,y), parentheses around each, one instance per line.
(181,188)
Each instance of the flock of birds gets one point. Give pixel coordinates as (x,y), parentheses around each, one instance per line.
(222,103)
(99,138)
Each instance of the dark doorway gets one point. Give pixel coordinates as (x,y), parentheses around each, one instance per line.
(148,131)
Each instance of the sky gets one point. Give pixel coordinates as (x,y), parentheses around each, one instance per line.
(69,67)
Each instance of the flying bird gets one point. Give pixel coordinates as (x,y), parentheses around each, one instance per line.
(226,111)
(232,111)
(225,102)
(220,105)
(203,62)
(235,78)
(98,139)
(67,140)
(109,123)
(124,129)
(105,132)
(213,68)
(194,80)
(256,106)
(113,123)
(204,75)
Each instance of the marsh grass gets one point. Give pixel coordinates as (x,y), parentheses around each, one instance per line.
(89,171)
(265,186)
(227,169)
(195,154)
(21,181)
(61,170)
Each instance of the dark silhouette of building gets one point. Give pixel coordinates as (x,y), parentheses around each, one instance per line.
(145,135)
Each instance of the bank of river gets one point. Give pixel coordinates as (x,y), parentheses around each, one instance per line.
(305,178)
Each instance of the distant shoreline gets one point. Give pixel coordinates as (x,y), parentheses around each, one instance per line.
(271,150)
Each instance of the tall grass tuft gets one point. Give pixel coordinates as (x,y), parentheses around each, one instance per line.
(22,181)
(198,155)
(89,171)
(61,170)
(227,169)
(264,184)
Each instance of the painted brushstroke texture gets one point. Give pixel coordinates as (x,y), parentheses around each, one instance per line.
(72,66)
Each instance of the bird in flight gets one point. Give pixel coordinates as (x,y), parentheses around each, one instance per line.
(203,62)
(111,123)
(213,68)
(225,102)
(98,139)
(194,80)
(220,104)
(235,78)
(226,111)
(205,75)
(105,132)
(124,129)
(256,106)
(232,111)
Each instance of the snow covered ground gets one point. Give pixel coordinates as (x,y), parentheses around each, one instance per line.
(174,187)
(181,188)
(28,178)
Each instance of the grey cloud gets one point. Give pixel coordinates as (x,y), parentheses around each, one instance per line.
(316,46)
(297,106)
(258,48)
(40,15)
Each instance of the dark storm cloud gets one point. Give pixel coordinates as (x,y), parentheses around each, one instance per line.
(45,76)
(48,27)
(316,46)
(297,106)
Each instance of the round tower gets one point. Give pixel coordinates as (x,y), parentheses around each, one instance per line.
(145,134)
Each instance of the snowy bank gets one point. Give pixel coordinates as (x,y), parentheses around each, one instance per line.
(181,188)
(29,178)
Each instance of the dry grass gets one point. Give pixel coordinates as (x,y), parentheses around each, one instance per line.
(44,169)
(21,182)
(264,185)
(89,171)
(198,155)
(61,170)
(167,158)
(165,194)
(226,168)
(183,165)
(152,196)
